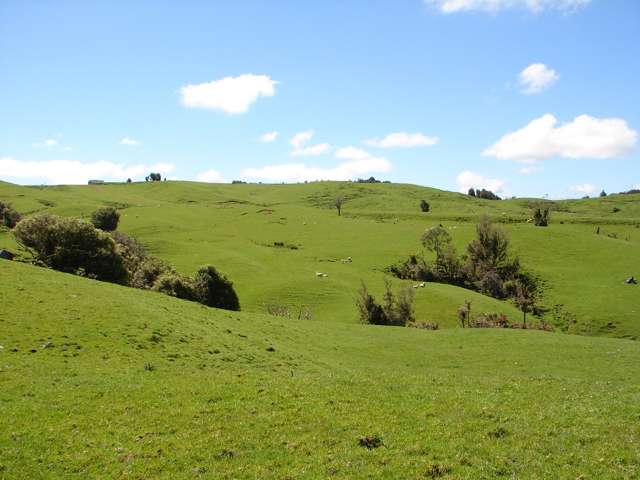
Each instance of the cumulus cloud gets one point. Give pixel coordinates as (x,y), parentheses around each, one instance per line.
(402,140)
(356,162)
(584,137)
(312,150)
(300,139)
(468,179)
(74,171)
(536,78)
(269,137)
(494,6)
(230,94)
(351,153)
(129,141)
(585,188)
(211,176)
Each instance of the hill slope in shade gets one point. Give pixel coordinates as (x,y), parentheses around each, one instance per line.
(102,380)
(583,257)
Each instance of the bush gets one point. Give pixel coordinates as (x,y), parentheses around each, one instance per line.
(176,286)
(105,218)
(131,251)
(147,271)
(471,192)
(541,217)
(213,289)
(414,268)
(73,246)
(370,312)
(9,217)
(424,206)
(395,311)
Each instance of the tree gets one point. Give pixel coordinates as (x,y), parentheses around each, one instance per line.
(73,246)
(338,202)
(471,192)
(525,298)
(105,218)
(214,289)
(434,238)
(153,177)
(603,193)
(128,180)
(424,206)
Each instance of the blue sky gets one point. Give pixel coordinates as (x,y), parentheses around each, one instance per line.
(527,97)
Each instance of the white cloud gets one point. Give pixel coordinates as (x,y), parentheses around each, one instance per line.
(352,153)
(269,137)
(584,137)
(585,188)
(229,94)
(530,170)
(312,150)
(494,6)
(129,141)
(301,138)
(402,140)
(357,162)
(74,171)
(48,143)
(536,78)
(468,179)
(211,176)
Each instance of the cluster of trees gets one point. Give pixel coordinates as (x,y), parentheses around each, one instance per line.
(9,217)
(486,194)
(153,177)
(368,180)
(96,250)
(486,267)
(395,310)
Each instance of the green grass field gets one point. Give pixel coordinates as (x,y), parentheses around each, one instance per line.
(235,226)
(103,381)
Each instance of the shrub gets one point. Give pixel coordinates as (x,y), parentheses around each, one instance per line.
(414,268)
(395,311)
(147,272)
(424,206)
(131,251)
(471,192)
(73,246)
(488,251)
(424,325)
(105,218)
(9,217)
(491,284)
(541,217)
(370,312)
(214,289)
(448,266)
(176,286)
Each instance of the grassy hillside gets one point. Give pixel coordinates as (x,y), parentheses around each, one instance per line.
(98,380)
(235,227)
